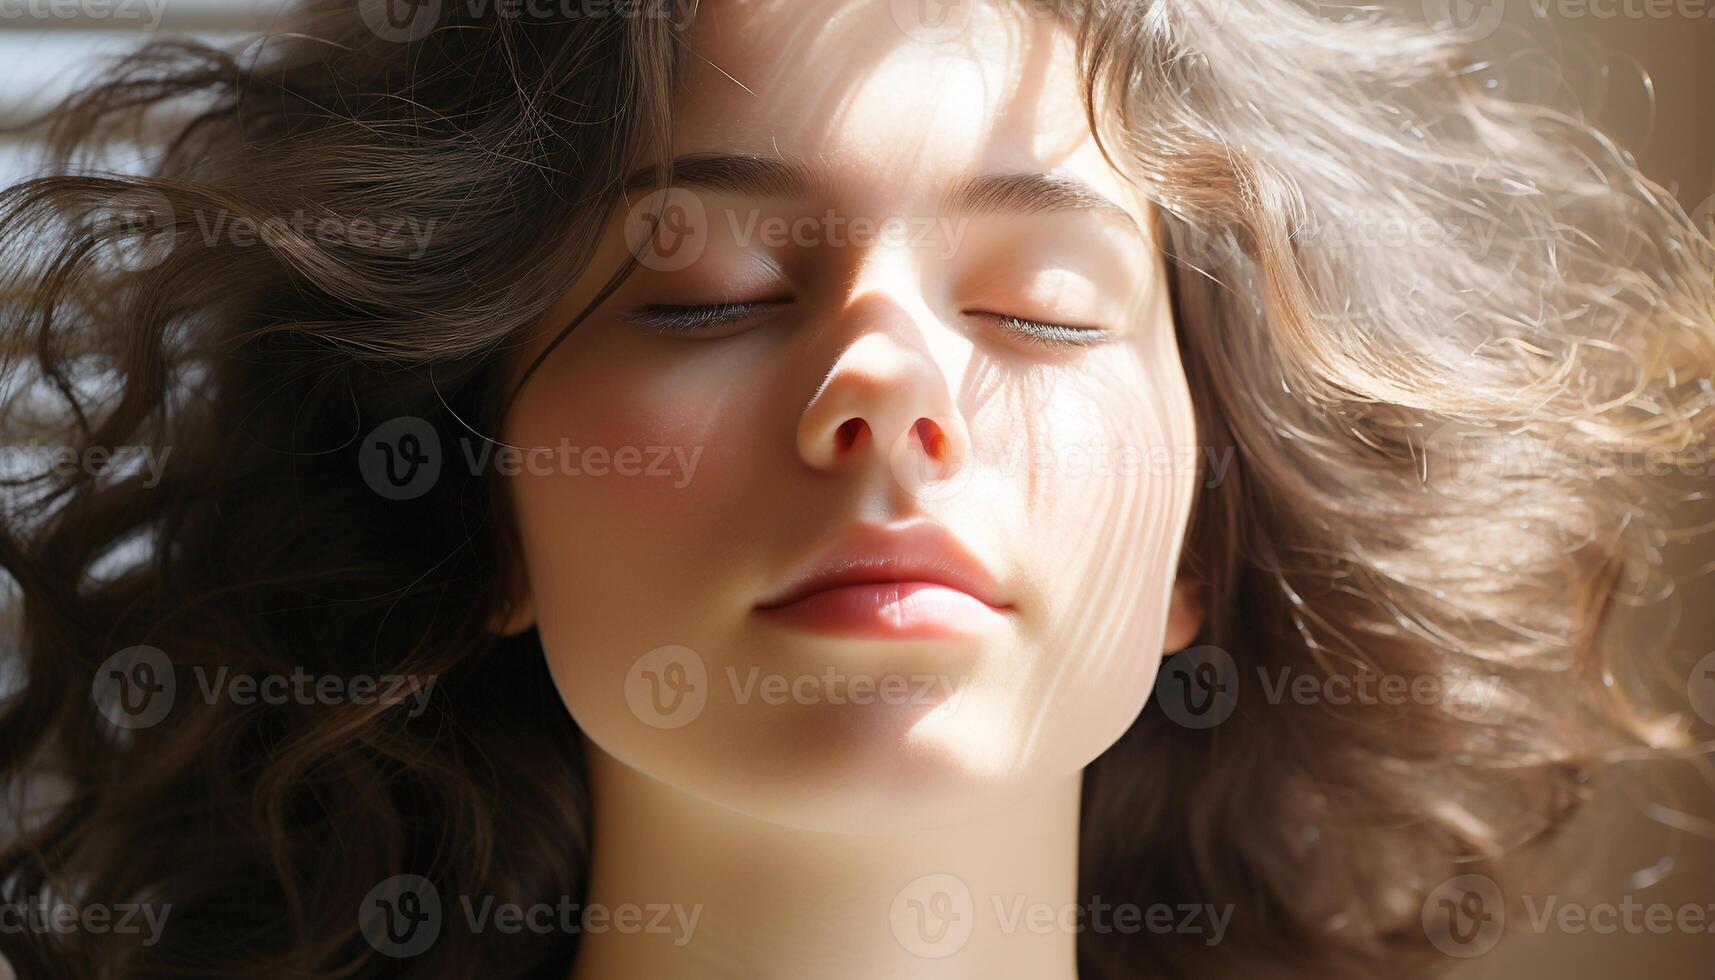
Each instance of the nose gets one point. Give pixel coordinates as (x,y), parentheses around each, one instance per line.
(885,400)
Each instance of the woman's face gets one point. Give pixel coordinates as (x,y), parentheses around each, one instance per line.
(857,506)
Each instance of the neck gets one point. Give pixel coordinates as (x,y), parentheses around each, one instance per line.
(724,894)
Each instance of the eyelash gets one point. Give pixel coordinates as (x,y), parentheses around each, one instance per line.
(691,318)
(1051,334)
(684,319)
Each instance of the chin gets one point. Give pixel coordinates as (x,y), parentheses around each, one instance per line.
(878,769)
(871,796)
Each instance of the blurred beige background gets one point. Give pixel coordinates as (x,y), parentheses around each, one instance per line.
(1604,50)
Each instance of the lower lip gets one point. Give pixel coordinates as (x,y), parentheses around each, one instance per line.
(889,610)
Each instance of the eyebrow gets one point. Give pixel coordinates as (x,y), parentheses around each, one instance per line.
(1032,194)
(1021,193)
(738,174)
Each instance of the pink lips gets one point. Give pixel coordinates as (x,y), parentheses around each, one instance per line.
(882,582)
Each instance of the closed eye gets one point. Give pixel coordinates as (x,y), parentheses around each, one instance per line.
(698,317)
(1046,334)
(691,318)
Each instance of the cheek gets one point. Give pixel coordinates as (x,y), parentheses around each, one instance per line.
(1107,491)
(675,441)
(613,553)
(1104,470)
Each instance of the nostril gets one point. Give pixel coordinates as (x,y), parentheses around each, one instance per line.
(932,439)
(848,434)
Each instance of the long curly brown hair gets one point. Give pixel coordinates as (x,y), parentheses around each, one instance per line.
(1347,378)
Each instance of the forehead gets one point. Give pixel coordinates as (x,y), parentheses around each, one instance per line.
(891,112)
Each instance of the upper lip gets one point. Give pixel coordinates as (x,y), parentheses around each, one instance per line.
(872,554)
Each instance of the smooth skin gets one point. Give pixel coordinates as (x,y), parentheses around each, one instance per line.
(1010,369)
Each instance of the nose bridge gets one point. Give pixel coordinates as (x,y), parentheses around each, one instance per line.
(890,364)
(887,321)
